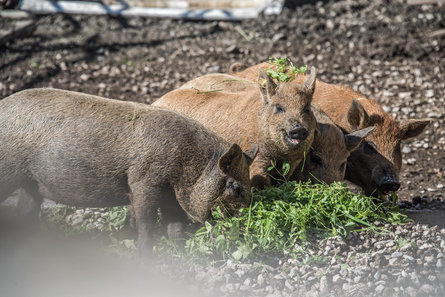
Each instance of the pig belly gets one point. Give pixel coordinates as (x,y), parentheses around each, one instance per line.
(74,182)
(92,195)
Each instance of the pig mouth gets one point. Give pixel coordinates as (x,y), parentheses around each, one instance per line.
(293,142)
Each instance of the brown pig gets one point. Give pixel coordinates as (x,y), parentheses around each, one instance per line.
(277,117)
(88,151)
(327,158)
(376,164)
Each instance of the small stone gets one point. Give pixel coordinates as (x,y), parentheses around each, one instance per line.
(377,275)
(410,291)
(405,95)
(427,288)
(288,285)
(77,220)
(406,149)
(439,263)
(408,258)
(330,24)
(379,289)
(392,261)
(336,279)
(411,161)
(84,77)
(429,259)
(324,286)
(429,93)
(396,255)
(260,280)
(232,49)
(278,37)
(432,278)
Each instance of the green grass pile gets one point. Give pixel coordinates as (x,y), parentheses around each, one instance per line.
(281,218)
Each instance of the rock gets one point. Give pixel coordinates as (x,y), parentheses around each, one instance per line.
(427,289)
(260,280)
(410,291)
(379,289)
(324,286)
(377,275)
(396,255)
(336,279)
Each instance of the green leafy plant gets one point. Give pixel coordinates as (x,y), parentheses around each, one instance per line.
(116,218)
(283,70)
(282,172)
(281,219)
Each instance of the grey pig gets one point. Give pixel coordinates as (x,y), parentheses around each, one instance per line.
(88,151)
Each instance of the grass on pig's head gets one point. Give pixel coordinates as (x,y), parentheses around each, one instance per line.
(283,70)
(281,220)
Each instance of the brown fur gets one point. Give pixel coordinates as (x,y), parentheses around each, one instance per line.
(326,161)
(244,114)
(89,151)
(368,170)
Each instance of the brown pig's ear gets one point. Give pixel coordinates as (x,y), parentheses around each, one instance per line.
(354,139)
(267,85)
(236,67)
(412,128)
(251,153)
(309,84)
(230,159)
(357,116)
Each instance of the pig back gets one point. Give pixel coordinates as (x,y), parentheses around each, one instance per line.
(68,140)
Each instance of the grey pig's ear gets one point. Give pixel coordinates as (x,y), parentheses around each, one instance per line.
(230,159)
(412,128)
(309,84)
(357,116)
(251,154)
(267,86)
(354,139)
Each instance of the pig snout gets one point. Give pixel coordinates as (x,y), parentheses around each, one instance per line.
(389,183)
(298,132)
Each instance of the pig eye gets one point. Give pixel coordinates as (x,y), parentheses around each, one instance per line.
(369,148)
(235,188)
(316,160)
(279,108)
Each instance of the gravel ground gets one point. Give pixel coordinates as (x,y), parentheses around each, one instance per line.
(383,49)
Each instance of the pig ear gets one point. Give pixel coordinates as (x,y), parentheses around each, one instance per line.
(236,67)
(354,139)
(412,128)
(357,115)
(251,153)
(266,84)
(309,84)
(231,158)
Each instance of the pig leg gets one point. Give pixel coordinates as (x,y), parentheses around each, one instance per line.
(175,220)
(29,200)
(145,203)
(29,205)
(5,192)
(129,218)
(258,175)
